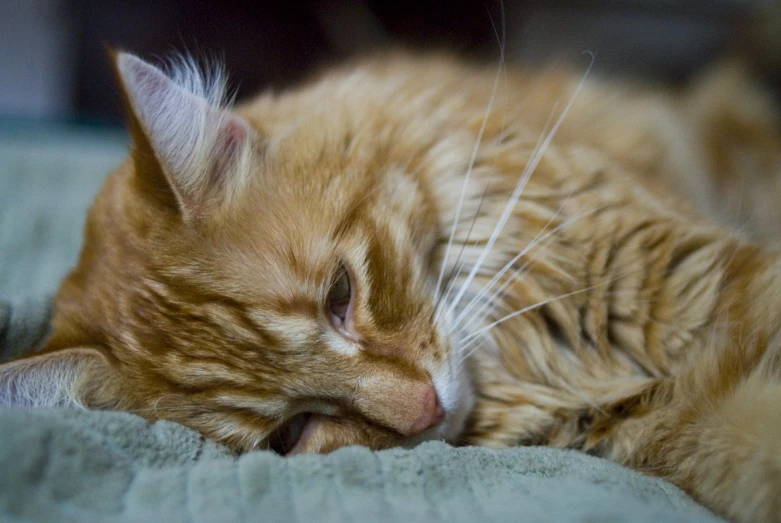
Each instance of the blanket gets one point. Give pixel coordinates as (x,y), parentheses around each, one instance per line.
(75,465)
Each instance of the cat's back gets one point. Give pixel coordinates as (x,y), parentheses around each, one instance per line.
(425,99)
(403,88)
(399,107)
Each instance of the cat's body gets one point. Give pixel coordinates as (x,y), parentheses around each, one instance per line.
(290,274)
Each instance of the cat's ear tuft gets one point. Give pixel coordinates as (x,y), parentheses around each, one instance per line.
(181,133)
(65,378)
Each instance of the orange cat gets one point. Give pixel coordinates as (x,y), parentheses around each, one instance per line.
(412,249)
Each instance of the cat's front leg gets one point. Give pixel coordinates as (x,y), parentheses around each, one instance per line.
(727,451)
(715,432)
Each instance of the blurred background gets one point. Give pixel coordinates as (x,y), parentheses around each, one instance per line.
(53,63)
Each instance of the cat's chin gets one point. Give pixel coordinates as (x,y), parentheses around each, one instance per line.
(456,414)
(456,395)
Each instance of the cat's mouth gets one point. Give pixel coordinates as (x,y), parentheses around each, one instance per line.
(307,432)
(289,437)
(300,434)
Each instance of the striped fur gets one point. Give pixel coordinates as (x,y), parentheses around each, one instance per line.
(580,278)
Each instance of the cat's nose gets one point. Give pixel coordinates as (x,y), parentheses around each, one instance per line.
(408,406)
(431,415)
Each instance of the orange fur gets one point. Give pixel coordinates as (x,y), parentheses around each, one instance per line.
(648,332)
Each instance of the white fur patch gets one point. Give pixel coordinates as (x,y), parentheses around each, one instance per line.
(337,343)
(49,380)
(455,394)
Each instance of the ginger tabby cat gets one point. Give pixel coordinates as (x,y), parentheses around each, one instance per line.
(411,248)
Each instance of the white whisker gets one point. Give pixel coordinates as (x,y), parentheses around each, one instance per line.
(516,195)
(510,263)
(482,313)
(469,339)
(458,273)
(467,177)
(459,264)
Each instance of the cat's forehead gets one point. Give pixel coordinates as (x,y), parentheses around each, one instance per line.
(287,245)
(288,242)
(328,184)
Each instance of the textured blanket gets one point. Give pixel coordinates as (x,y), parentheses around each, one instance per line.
(69,465)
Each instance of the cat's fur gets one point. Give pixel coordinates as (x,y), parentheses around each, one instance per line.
(605,310)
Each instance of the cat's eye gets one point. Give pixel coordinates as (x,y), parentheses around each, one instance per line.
(285,438)
(339,298)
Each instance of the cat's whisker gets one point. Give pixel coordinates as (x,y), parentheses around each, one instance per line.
(537,147)
(468,175)
(537,239)
(502,41)
(492,304)
(469,339)
(442,301)
(480,315)
(520,186)
(456,267)
(456,271)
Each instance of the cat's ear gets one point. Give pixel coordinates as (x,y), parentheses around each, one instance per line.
(67,377)
(188,151)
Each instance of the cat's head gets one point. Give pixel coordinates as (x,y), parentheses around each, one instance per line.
(266,276)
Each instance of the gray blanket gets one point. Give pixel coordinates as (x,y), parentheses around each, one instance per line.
(69,465)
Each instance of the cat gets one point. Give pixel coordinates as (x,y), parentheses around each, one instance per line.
(411,248)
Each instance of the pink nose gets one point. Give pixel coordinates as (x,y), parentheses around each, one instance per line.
(431,415)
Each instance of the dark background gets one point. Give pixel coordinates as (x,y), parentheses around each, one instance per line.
(54,64)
